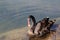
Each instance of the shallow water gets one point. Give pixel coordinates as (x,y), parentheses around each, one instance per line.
(14,13)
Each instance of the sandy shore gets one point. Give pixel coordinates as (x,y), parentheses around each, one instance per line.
(21,34)
(17,34)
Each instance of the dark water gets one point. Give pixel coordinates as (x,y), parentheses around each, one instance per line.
(14,13)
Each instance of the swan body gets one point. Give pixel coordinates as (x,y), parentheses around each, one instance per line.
(33,30)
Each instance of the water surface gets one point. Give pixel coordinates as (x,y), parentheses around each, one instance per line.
(14,13)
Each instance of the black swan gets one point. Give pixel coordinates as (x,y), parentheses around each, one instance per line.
(36,26)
